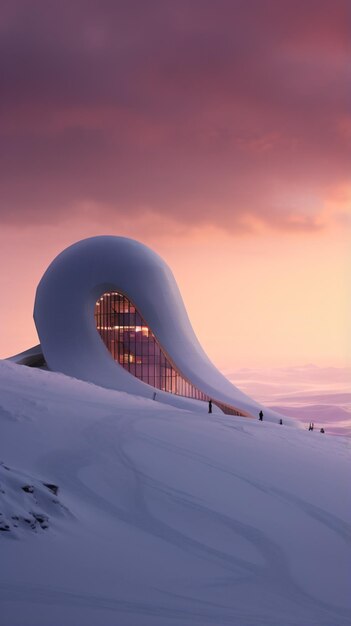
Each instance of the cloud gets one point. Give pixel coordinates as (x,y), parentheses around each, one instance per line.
(231,114)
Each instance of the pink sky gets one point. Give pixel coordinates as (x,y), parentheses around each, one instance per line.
(217,133)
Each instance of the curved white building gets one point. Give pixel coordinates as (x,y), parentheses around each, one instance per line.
(108,311)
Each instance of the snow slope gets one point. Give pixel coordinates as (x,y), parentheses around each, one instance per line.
(164,515)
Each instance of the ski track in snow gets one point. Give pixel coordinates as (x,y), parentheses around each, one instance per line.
(115,480)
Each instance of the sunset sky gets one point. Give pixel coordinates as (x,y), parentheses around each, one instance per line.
(216,131)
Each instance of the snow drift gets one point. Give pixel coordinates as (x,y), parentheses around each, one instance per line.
(165,515)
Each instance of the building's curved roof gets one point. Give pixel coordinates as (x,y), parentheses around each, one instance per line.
(64,317)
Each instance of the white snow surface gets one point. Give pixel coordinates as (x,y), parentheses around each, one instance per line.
(165,515)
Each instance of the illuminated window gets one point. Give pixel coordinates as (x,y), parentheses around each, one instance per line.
(134,346)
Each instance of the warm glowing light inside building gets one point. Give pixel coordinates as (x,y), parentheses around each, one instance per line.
(134,346)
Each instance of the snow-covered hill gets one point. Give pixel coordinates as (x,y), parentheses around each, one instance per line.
(120,511)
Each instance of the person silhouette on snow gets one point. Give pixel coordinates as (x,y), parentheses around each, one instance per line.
(260,416)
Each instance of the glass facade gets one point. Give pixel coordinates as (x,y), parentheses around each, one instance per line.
(134,346)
